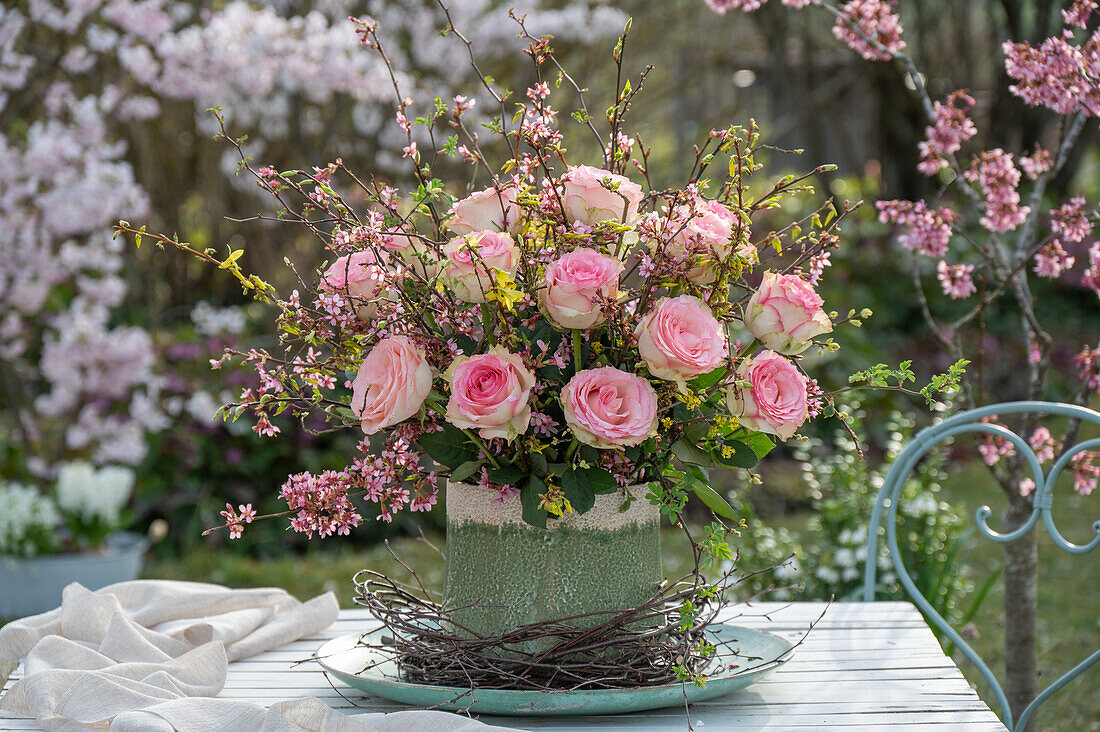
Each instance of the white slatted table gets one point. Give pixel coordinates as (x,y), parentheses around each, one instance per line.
(863,667)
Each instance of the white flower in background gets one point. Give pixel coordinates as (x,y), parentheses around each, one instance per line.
(89,493)
(845,558)
(850,574)
(202,406)
(210,320)
(25,513)
(827,575)
(923,505)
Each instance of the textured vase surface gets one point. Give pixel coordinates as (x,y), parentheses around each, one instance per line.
(502,572)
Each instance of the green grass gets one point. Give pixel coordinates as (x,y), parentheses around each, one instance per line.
(1069,592)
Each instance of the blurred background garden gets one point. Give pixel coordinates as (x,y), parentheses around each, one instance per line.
(106,349)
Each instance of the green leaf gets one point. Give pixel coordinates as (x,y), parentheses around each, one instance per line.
(714,501)
(506,474)
(742,457)
(538,463)
(601,481)
(449,447)
(466,469)
(578,491)
(529,499)
(708,380)
(759,442)
(689,453)
(588,454)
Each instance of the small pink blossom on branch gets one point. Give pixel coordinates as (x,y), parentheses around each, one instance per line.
(1037,163)
(1078,14)
(929,228)
(998,178)
(950,129)
(1052,260)
(877,20)
(1055,74)
(956,279)
(1070,221)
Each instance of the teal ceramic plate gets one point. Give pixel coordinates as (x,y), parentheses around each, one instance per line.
(744,657)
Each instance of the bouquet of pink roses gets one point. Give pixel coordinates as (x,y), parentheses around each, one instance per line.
(564,332)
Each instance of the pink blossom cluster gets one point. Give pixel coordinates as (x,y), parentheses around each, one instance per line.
(929,229)
(998,178)
(1070,221)
(1043,443)
(1037,163)
(1088,367)
(1052,260)
(945,136)
(1085,467)
(1079,13)
(956,279)
(872,28)
(722,6)
(994,448)
(1056,74)
(235,522)
(320,503)
(1091,277)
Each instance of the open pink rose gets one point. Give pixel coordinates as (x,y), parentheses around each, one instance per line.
(358,277)
(576,285)
(706,237)
(471,260)
(775,400)
(785,313)
(491,393)
(607,408)
(588,201)
(392,383)
(486,210)
(681,339)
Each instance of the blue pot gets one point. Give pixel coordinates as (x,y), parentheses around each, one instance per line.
(32,585)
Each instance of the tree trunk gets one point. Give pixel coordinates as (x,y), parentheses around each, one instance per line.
(1021,565)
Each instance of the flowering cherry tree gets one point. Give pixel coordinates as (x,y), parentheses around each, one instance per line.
(79,82)
(991,230)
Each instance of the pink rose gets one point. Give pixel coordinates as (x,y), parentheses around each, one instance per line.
(392,383)
(358,277)
(491,393)
(577,284)
(606,407)
(588,201)
(775,400)
(681,339)
(706,238)
(471,260)
(487,210)
(785,313)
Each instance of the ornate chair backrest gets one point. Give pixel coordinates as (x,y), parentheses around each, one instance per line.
(887,502)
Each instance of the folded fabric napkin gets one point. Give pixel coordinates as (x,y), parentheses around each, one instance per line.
(153,654)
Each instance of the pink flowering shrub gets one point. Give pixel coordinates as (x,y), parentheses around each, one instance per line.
(549,337)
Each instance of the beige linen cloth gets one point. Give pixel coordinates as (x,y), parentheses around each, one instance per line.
(153,654)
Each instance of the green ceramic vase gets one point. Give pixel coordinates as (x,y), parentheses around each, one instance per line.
(502,572)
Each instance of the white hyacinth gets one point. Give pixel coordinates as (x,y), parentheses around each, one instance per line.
(89,493)
(24,511)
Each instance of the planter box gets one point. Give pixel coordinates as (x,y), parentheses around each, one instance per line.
(33,585)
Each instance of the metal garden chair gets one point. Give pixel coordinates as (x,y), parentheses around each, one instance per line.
(887,502)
